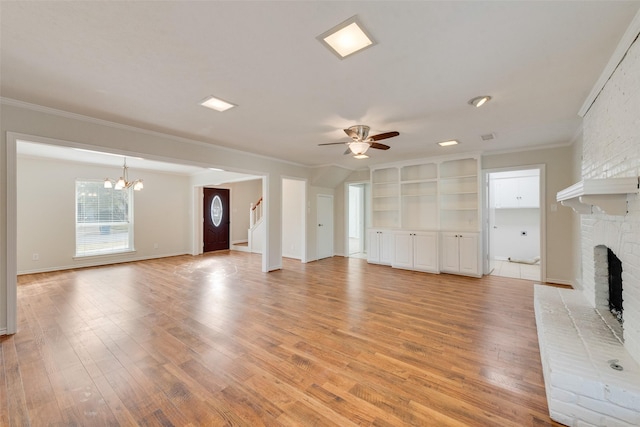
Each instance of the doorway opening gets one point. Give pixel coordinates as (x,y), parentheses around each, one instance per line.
(356,220)
(513,229)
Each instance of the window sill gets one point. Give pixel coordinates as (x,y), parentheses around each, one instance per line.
(105,255)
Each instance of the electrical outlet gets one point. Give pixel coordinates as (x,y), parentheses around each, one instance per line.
(35,257)
(156,246)
(523,233)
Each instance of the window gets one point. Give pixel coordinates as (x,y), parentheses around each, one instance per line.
(104,219)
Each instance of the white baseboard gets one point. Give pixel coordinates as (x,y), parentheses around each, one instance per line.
(3,331)
(98,262)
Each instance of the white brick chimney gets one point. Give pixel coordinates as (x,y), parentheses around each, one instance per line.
(611,149)
(591,363)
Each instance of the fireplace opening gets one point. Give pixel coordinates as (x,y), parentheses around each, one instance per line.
(615,285)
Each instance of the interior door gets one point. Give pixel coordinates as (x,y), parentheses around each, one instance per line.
(490,218)
(216,219)
(325,226)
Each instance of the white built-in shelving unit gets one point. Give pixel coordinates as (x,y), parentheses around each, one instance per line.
(459,189)
(419,196)
(385,198)
(434,195)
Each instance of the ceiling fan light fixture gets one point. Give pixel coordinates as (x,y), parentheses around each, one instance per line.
(448,143)
(360,156)
(216,104)
(479,101)
(358,148)
(346,38)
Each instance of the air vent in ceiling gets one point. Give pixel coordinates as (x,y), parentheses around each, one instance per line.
(488,136)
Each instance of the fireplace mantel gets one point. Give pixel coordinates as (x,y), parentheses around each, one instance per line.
(608,195)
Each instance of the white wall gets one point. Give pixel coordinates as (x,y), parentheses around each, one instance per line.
(507,239)
(293,211)
(46,214)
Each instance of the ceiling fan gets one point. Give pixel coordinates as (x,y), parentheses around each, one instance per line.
(361,141)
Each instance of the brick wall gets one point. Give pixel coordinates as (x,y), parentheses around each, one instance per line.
(611,148)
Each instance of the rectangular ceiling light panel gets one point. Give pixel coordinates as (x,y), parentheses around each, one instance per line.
(448,143)
(346,38)
(216,104)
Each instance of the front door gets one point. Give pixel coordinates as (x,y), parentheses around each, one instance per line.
(216,219)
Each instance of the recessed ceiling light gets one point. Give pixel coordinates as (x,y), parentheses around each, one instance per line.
(448,143)
(216,104)
(346,38)
(216,169)
(479,101)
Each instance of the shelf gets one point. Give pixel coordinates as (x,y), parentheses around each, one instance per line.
(418,181)
(457,193)
(385,182)
(420,195)
(607,195)
(458,177)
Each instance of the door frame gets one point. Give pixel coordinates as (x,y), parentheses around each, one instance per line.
(486,250)
(366,208)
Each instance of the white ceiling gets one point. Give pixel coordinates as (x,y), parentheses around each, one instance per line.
(148,64)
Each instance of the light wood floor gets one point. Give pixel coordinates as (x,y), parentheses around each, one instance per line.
(211,340)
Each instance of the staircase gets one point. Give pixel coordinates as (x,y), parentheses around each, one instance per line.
(256,227)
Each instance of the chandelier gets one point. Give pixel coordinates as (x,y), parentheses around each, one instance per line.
(124,182)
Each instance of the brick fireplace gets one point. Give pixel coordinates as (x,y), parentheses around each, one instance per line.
(591,361)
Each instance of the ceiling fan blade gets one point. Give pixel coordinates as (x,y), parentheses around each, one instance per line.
(334,143)
(379,146)
(351,134)
(348,151)
(385,135)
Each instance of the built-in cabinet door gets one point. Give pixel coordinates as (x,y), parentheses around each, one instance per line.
(506,193)
(450,253)
(386,247)
(403,250)
(380,247)
(416,251)
(425,253)
(517,192)
(460,253)
(529,192)
(373,246)
(468,250)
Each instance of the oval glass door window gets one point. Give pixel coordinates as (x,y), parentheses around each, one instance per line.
(216,211)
